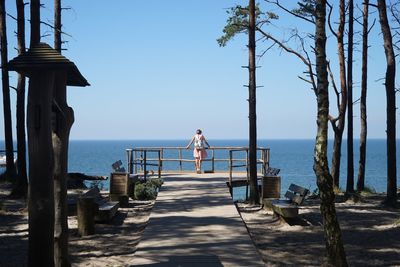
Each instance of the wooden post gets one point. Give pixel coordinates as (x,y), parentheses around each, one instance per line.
(129,160)
(212,161)
(180,159)
(247,165)
(86,212)
(41,181)
(145,165)
(230,167)
(135,159)
(159,163)
(162,157)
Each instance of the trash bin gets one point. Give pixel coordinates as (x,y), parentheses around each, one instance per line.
(271,187)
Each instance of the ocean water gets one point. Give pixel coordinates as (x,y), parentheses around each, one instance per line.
(293,157)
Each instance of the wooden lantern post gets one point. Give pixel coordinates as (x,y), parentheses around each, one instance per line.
(42,64)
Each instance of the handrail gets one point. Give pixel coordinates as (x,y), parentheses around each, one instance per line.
(138,157)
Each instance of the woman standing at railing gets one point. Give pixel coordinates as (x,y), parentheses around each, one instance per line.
(199,152)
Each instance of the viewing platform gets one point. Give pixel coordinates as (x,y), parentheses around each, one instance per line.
(195,223)
(230,160)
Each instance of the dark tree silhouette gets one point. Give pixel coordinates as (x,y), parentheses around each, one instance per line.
(64,118)
(335,251)
(350,155)
(20,188)
(244,19)
(363,100)
(338,123)
(391,194)
(254,198)
(9,146)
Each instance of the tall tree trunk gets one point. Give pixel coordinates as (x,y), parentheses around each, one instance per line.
(35,22)
(335,251)
(339,127)
(64,118)
(9,146)
(21,186)
(350,156)
(363,101)
(391,194)
(254,196)
(40,150)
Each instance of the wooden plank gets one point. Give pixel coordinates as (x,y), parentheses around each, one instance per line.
(287,210)
(195,219)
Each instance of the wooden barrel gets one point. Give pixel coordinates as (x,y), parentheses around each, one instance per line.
(271,187)
(119,183)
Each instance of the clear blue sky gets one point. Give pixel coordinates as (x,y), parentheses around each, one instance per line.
(157,72)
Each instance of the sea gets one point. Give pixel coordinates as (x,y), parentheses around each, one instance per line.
(294,158)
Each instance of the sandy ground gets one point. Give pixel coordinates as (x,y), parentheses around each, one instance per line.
(370,233)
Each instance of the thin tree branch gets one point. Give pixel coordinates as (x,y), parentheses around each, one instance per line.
(334,85)
(329,20)
(276,2)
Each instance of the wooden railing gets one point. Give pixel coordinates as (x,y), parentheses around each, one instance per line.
(140,158)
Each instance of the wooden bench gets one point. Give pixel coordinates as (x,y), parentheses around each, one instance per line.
(104,209)
(289,207)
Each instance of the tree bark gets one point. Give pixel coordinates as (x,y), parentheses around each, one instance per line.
(363,101)
(335,251)
(391,194)
(64,118)
(9,146)
(20,188)
(254,196)
(35,22)
(339,127)
(350,156)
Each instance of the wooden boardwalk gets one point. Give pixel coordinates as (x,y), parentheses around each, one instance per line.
(195,223)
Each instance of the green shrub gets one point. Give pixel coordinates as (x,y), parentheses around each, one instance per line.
(157,182)
(145,191)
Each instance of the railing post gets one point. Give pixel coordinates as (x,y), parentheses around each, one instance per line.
(129,160)
(180,159)
(212,160)
(162,158)
(247,164)
(144,165)
(134,160)
(159,163)
(230,168)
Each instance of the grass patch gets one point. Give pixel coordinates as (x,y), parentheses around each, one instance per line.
(368,190)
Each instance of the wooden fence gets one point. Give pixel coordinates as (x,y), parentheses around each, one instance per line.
(140,158)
